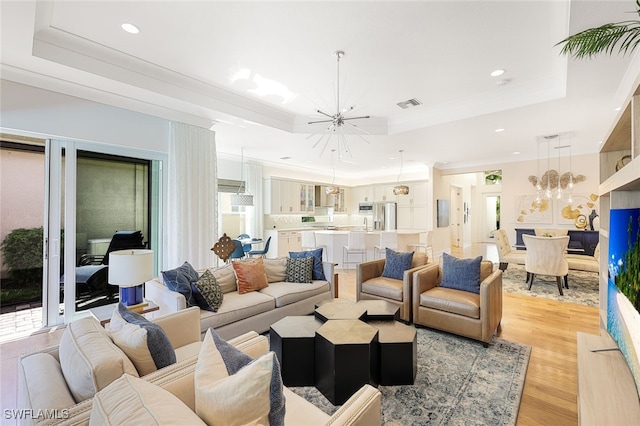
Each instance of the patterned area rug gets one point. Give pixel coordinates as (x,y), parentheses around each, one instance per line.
(583,286)
(459,382)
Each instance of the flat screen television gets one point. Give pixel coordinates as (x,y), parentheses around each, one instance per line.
(623,292)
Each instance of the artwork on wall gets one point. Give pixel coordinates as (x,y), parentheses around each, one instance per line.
(528,210)
(465,212)
(577,212)
(443,213)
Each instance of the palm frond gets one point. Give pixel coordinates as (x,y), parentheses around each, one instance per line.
(603,39)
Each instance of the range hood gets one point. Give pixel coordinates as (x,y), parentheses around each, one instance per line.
(322,199)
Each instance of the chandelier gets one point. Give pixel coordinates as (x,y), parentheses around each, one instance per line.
(400,189)
(338,121)
(550,182)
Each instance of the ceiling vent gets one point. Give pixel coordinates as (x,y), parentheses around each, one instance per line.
(410,103)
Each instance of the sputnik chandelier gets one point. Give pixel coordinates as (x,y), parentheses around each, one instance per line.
(338,121)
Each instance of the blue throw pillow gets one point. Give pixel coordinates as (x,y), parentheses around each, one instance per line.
(396,263)
(461,274)
(318,272)
(180,280)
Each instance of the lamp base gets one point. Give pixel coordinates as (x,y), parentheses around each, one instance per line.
(131,295)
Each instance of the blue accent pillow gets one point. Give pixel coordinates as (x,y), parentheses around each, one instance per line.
(318,272)
(180,280)
(396,263)
(461,274)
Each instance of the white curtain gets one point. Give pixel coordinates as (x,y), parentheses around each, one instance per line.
(254,218)
(192,197)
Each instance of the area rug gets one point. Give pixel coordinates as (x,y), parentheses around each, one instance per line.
(459,382)
(583,286)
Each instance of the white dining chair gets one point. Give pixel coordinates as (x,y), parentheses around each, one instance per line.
(546,256)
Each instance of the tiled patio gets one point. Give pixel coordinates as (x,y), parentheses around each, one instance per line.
(20,323)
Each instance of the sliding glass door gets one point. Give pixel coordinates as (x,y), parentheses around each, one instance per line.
(95,191)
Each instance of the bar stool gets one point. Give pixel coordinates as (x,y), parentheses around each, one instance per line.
(355,245)
(425,243)
(308,243)
(388,239)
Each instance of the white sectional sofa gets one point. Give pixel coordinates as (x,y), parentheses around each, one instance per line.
(254,311)
(44,387)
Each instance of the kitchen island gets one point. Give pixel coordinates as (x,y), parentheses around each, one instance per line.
(334,241)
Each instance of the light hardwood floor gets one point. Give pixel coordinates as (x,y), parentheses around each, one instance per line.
(548,326)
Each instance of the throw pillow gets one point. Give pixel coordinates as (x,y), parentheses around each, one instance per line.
(145,343)
(180,280)
(89,360)
(318,272)
(251,275)
(276,269)
(231,388)
(299,270)
(396,263)
(130,400)
(461,274)
(208,291)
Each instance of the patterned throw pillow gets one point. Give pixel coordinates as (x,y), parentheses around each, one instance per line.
(461,274)
(208,290)
(144,342)
(180,280)
(232,388)
(299,270)
(251,275)
(396,263)
(318,272)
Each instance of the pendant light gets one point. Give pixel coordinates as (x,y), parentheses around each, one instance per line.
(244,198)
(333,189)
(400,189)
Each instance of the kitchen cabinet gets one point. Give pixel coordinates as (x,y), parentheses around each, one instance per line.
(417,195)
(288,197)
(364,194)
(384,193)
(412,208)
(282,242)
(342,200)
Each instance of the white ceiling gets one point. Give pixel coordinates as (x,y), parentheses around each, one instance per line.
(203,62)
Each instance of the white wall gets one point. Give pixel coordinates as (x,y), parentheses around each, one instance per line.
(30,110)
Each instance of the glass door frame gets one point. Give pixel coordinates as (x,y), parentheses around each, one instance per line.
(62,180)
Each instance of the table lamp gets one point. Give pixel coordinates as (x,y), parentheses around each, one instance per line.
(129,269)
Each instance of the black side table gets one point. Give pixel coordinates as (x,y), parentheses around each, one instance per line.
(293,341)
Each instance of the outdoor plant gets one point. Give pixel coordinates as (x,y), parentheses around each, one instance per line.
(624,35)
(22,255)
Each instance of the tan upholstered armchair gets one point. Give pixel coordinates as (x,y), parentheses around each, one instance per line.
(505,253)
(546,256)
(472,315)
(371,285)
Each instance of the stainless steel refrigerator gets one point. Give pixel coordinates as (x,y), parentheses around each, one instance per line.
(385,216)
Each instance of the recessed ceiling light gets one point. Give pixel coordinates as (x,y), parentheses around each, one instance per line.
(599,142)
(516,152)
(618,109)
(497,73)
(285,158)
(499,130)
(130,28)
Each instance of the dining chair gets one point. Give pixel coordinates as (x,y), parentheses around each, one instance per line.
(245,247)
(388,239)
(546,256)
(262,252)
(506,254)
(238,253)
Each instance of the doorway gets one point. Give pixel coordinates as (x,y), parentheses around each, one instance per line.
(456,217)
(491,216)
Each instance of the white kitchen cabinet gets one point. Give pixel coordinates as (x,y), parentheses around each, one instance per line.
(288,241)
(417,195)
(342,200)
(412,208)
(307,198)
(384,193)
(288,197)
(364,194)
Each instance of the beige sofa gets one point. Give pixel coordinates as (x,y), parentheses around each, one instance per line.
(472,315)
(42,385)
(254,311)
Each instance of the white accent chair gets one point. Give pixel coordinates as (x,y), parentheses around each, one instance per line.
(506,254)
(546,256)
(388,239)
(355,245)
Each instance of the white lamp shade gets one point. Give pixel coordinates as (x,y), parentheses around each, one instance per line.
(128,268)
(241,199)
